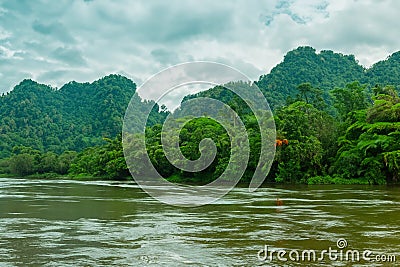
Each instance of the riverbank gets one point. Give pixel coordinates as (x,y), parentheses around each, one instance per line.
(56,176)
(317,180)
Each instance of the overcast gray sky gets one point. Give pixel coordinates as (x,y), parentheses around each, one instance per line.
(54,42)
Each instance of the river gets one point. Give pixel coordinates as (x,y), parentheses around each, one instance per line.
(72,223)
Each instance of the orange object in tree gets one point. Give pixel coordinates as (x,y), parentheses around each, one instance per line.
(285,141)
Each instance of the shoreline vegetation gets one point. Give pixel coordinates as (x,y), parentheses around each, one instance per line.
(319,180)
(339,121)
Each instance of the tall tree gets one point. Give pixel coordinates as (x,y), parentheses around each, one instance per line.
(350,98)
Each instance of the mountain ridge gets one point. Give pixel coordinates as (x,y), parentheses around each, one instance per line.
(79,115)
(76,116)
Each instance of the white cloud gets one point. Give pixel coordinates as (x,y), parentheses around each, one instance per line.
(4,35)
(5,52)
(367,29)
(58,41)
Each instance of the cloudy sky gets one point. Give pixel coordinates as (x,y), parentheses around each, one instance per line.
(54,42)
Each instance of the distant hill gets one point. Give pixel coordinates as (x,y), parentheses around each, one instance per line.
(385,72)
(325,70)
(76,116)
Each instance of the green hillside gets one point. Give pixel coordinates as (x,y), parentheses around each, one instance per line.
(325,71)
(76,116)
(385,72)
(336,122)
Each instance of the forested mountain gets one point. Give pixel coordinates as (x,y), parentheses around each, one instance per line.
(325,71)
(76,116)
(385,72)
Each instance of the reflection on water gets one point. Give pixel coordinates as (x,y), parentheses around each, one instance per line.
(68,223)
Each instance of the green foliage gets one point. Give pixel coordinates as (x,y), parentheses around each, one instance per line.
(189,140)
(311,95)
(338,130)
(327,179)
(392,162)
(369,148)
(325,70)
(309,132)
(64,162)
(385,72)
(76,116)
(22,164)
(28,161)
(101,161)
(386,106)
(4,166)
(350,98)
(225,95)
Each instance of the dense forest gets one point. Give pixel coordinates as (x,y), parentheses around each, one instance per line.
(76,116)
(340,122)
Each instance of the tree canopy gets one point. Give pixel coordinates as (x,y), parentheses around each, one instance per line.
(336,122)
